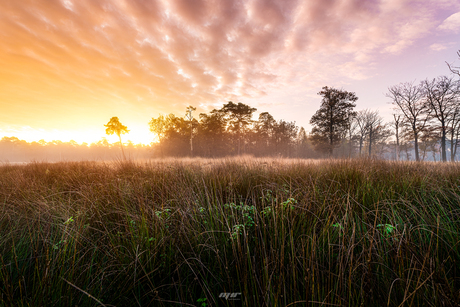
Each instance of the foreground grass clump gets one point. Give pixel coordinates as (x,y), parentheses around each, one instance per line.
(280,232)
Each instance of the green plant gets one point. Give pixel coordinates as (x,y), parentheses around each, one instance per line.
(202,302)
(387,227)
(163,214)
(69,220)
(289,203)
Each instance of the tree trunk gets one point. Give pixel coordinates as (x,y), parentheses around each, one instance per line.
(417,157)
(331,135)
(191,139)
(443,143)
(455,147)
(122,151)
(370,143)
(349,144)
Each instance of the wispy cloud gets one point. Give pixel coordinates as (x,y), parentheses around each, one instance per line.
(437,47)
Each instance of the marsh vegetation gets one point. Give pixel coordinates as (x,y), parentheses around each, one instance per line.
(180,232)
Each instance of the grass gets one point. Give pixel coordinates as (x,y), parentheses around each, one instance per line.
(182,232)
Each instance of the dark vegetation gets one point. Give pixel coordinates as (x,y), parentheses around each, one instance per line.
(180,232)
(229,131)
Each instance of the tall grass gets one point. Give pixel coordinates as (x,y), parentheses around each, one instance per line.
(181,232)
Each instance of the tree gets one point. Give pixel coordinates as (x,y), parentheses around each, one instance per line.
(352,127)
(409,98)
(211,133)
(189,116)
(454,132)
(397,122)
(453,69)
(115,127)
(239,117)
(331,121)
(371,127)
(377,129)
(285,134)
(441,96)
(158,126)
(362,127)
(265,127)
(176,139)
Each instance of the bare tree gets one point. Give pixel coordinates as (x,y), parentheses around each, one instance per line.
(371,127)
(362,127)
(409,98)
(454,130)
(352,128)
(454,69)
(378,130)
(441,96)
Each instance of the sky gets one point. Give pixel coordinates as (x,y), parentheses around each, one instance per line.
(68,66)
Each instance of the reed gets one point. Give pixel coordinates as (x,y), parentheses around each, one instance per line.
(181,232)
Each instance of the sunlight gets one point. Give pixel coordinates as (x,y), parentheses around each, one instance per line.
(138,134)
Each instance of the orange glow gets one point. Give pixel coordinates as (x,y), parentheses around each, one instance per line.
(138,134)
(68,66)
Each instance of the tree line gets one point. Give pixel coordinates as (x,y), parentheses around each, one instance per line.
(426,120)
(228,131)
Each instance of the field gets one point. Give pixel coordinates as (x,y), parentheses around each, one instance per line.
(265,232)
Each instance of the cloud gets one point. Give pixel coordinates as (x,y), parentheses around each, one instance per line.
(452,23)
(437,47)
(181,52)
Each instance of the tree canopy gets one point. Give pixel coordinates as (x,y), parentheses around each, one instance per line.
(332,119)
(115,127)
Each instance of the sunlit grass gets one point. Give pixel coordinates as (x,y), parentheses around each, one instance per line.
(279,231)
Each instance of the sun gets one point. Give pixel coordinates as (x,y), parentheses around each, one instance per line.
(138,134)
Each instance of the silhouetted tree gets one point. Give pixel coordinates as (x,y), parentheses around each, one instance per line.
(176,136)
(239,118)
(371,128)
(331,121)
(454,132)
(409,99)
(158,126)
(189,116)
(285,134)
(303,144)
(362,127)
(115,127)
(211,133)
(441,97)
(265,127)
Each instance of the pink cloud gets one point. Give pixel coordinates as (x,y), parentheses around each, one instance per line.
(452,23)
(136,48)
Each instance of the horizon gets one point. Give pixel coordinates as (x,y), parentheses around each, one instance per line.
(68,66)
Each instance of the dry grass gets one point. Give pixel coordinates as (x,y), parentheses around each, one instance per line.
(282,232)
